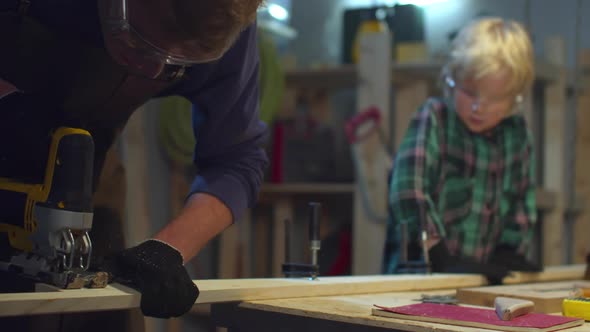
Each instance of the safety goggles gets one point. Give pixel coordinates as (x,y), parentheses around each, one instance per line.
(503,104)
(147,39)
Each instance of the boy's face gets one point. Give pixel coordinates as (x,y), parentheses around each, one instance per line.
(483,103)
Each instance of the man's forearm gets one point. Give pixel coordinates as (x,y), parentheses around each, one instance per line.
(202,218)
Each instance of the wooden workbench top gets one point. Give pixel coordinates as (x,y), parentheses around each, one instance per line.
(351,309)
(235,290)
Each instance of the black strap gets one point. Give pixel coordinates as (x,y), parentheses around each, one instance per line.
(18,6)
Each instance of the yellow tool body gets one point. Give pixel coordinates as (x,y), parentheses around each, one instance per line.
(50,243)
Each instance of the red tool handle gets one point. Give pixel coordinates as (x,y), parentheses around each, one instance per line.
(371,117)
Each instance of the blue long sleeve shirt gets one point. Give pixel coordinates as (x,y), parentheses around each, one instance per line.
(229,153)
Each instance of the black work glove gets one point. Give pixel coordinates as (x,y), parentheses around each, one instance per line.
(155,269)
(507,256)
(443,262)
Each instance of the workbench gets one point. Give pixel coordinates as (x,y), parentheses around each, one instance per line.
(331,313)
(328,303)
(345,313)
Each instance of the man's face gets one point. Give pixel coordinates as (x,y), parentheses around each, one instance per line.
(483,103)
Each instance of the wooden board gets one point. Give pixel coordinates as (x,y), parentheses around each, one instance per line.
(333,313)
(554,154)
(353,310)
(231,290)
(550,273)
(373,90)
(546,296)
(227,290)
(582,164)
(477,317)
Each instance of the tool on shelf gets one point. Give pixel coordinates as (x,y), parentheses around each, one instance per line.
(301,269)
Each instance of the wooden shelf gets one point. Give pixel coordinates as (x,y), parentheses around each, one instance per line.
(546,199)
(307,188)
(345,76)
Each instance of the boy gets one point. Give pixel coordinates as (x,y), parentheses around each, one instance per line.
(465,169)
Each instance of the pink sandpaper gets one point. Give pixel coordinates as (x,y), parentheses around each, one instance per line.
(477,315)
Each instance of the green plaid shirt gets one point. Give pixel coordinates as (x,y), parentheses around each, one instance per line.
(475,191)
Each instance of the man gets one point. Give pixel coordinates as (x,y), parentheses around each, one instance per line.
(89,64)
(464,172)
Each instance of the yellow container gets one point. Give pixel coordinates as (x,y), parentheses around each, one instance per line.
(578,307)
(369,26)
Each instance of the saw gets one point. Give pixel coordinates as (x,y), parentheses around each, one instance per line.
(49,236)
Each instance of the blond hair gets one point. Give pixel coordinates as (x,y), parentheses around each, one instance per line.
(491,45)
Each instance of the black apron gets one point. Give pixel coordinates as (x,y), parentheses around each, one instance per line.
(65,81)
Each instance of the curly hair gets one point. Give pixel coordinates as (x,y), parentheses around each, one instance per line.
(214,24)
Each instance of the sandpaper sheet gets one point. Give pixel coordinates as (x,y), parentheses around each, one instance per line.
(476,317)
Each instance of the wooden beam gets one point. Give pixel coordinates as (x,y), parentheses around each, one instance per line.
(282,210)
(307,188)
(138,225)
(582,183)
(552,273)
(117,296)
(346,76)
(371,157)
(554,157)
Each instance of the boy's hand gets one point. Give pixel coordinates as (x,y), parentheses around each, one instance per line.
(442,261)
(155,269)
(507,256)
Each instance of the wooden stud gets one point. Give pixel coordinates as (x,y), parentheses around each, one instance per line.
(282,210)
(373,91)
(554,155)
(582,223)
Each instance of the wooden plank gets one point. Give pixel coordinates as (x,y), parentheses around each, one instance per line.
(546,296)
(282,210)
(245,246)
(335,313)
(262,229)
(138,226)
(346,76)
(371,156)
(581,227)
(117,296)
(554,157)
(353,310)
(229,248)
(550,273)
(307,188)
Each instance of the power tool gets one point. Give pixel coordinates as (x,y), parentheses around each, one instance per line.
(49,240)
